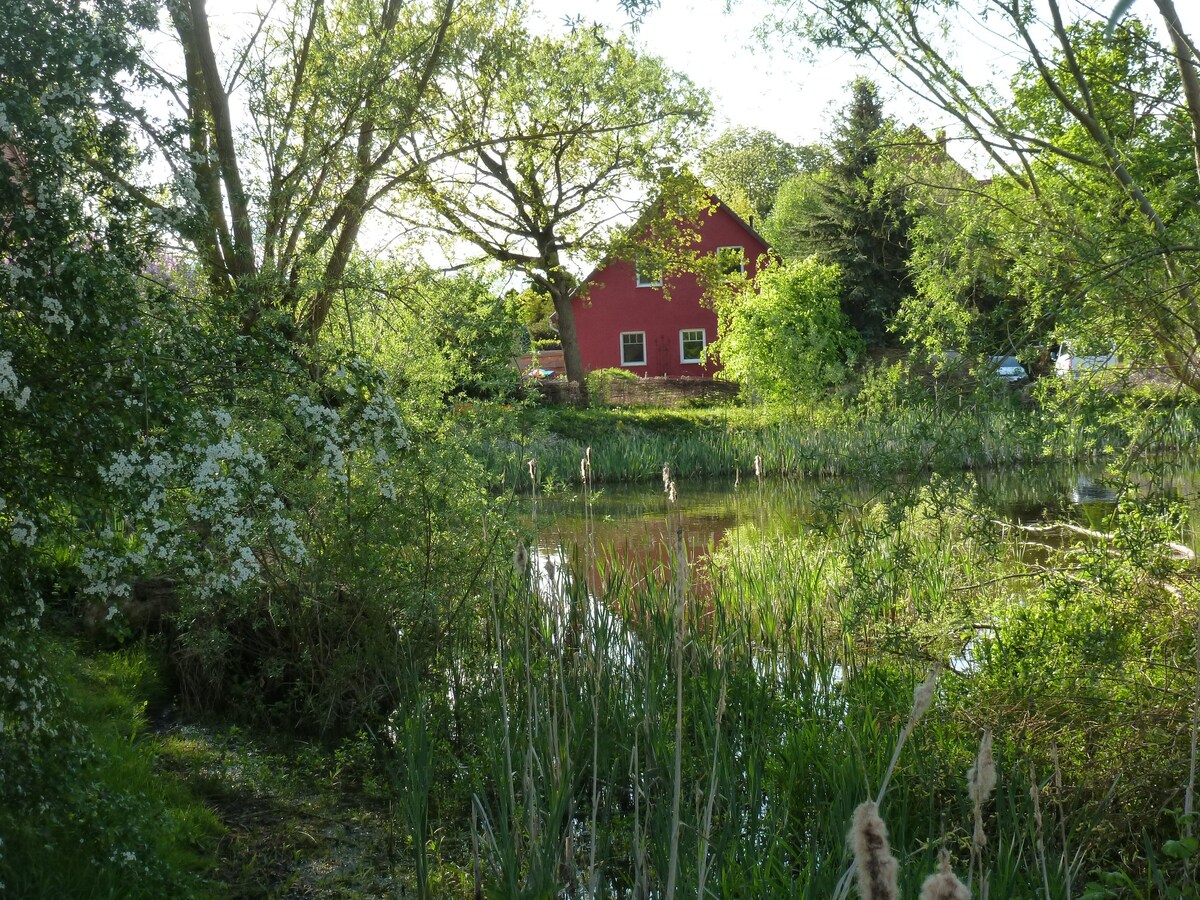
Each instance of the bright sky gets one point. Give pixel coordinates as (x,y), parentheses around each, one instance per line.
(768,85)
(788,90)
(750,85)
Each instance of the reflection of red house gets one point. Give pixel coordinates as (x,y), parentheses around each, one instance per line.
(623,321)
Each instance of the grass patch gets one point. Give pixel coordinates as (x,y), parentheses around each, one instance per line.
(113,824)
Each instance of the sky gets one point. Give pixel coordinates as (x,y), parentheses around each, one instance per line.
(757,82)
(793,91)
(750,84)
(763,83)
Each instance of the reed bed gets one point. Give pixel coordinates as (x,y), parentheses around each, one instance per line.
(627,447)
(675,730)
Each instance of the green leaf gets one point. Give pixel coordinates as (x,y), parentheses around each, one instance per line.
(1182,848)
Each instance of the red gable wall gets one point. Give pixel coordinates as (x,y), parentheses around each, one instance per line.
(613,303)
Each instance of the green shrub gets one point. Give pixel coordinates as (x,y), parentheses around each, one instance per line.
(785,338)
(598,381)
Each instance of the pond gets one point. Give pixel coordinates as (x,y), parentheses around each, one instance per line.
(632,521)
(779,671)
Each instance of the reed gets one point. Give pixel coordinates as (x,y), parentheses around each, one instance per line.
(668,728)
(631,445)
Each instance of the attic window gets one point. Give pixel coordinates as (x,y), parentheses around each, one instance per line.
(732,260)
(649,272)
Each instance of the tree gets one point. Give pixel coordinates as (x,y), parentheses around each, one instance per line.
(747,166)
(1080,154)
(559,137)
(337,94)
(784,336)
(850,216)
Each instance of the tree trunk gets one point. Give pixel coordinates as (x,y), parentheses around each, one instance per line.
(570,339)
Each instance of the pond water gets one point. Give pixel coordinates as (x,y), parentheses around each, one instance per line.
(633,521)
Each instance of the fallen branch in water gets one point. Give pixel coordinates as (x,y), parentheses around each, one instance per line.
(1179,552)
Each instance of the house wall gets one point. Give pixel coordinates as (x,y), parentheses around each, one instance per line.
(613,303)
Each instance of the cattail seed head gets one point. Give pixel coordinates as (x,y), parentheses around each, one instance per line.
(585,467)
(681,570)
(666,479)
(758,467)
(945,884)
(981,778)
(923,695)
(532,465)
(520,558)
(878,870)
(672,494)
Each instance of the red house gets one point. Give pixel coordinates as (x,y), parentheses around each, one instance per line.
(623,320)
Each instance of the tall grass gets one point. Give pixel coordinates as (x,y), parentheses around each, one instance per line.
(638,731)
(633,445)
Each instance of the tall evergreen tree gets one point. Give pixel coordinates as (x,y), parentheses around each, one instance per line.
(848,214)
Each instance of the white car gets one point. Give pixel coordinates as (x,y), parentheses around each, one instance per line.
(1008,368)
(1071,363)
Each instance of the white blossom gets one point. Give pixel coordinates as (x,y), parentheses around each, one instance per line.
(23,531)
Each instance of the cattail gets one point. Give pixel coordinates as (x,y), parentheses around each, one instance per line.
(672,494)
(532,465)
(681,567)
(666,479)
(945,884)
(877,868)
(520,558)
(758,467)
(583,470)
(922,699)
(981,781)
(923,695)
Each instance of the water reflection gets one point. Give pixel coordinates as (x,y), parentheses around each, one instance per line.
(635,523)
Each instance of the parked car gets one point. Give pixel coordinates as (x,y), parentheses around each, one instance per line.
(1008,368)
(1071,363)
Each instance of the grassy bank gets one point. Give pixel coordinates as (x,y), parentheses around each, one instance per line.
(113,823)
(634,444)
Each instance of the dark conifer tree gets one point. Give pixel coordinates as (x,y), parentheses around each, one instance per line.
(859,219)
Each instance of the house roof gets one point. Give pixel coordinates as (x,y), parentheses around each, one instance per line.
(713,199)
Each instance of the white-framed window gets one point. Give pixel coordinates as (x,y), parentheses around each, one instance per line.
(648,271)
(692,342)
(633,348)
(732,260)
